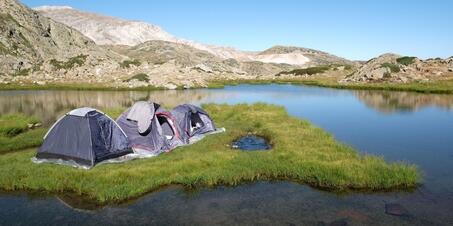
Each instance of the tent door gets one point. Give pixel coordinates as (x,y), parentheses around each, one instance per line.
(167,129)
(195,122)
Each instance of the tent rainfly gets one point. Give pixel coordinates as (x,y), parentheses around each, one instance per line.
(150,128)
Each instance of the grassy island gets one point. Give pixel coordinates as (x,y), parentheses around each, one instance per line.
(300,152)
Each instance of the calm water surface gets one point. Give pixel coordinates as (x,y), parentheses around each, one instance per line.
(398,126)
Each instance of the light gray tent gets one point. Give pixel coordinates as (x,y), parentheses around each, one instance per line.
(150,128)
(85,137)
(193,121)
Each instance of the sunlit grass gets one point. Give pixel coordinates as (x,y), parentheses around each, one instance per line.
(300,152)
(15,134)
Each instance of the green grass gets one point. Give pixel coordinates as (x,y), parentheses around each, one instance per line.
(72,62)
(128,63)
(301,152)
(406,60)
(27,139)
(436,86)
(15,135)
(393,67)
(74,86)
(12,125)
(140,77)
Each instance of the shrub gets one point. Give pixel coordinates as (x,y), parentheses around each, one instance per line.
(22,72)
(406,60)
(128,63)
(79,60)
(393,67)
(306,71)
(140,77)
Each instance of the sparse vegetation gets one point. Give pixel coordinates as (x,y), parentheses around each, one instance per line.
(306,71)
(3,49)
(128,63)
(73,61)
(393,67)
(406,60)
(22,72)
(140,77)
(313,157)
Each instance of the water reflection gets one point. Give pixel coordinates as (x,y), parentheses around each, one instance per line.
(262,203)
(388,101)
(50,104)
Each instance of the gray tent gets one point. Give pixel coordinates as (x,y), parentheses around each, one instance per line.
(193,121)
(150,128)
(84,136)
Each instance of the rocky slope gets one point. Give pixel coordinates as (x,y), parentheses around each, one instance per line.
(184,65)
(105,30)
(35,46)
(395,68)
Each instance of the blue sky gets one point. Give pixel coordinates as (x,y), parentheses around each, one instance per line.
(356,30)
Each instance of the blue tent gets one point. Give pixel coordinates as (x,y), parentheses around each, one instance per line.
(85,137)
(193,121)
(151,129)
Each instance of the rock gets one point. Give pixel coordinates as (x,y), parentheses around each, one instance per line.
(30,125)
(38,124)
(170,86)
(204,68)
(395,209)
(353,215)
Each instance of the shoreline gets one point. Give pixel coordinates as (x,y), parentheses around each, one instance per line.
(429,87)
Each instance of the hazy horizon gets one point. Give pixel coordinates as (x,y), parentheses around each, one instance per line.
(357,31)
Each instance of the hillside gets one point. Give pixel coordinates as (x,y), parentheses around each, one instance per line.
(35,46)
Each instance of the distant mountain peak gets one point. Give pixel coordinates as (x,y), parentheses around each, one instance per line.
(50,7)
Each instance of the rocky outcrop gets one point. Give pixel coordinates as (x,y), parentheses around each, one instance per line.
(300,56)
(395,68)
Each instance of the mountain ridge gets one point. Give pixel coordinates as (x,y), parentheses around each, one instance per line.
(107,30)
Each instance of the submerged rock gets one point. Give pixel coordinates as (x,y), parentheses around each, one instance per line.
(395,209)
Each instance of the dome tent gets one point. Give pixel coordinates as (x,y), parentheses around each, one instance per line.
(83,137)
(193,121)
(150,128)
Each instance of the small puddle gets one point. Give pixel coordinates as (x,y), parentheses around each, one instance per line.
(251,143)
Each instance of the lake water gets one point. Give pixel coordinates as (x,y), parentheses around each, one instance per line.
(399,126)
